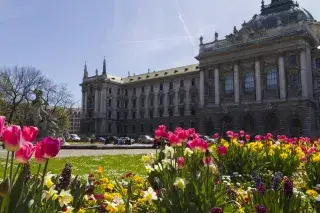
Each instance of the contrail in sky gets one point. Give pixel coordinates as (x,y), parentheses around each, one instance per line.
(185,27)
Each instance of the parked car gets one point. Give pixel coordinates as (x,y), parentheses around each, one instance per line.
(75,137)
(208,139)
(145,139)
(100,139)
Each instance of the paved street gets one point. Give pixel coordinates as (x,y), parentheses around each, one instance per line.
(91,152)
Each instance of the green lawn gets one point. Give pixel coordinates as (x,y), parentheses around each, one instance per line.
(115,165)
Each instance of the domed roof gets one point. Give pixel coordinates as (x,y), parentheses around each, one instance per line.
(279,12)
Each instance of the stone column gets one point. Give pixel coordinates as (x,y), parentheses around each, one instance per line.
(216,86)
(303,72)
(176,87)
(102,101)
(201,89)
(258,80)
(146,104)
(236,83)
(156,96)
(85,104)
(138,103)
(187,85)
(96,102)
(165,101)
(282,77)
(82,103)
(309,72)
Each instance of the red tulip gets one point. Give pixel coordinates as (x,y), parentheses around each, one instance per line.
(29,133)
(25,152)
(157,134)
(39,153)
(180,162)
(51,147)
(248,137)
(162,128)
(222,150)
(230,134)
(173,140)
(258,137)
(2,124)
(11,137)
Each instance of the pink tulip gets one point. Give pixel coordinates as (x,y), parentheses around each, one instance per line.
(162,128)
(11,137)
(229,134)
(157,134)
(222,150)
(29,133)
(174,140)
(198,144)
(248,137)
(39,153)
(258,137)
(25,152)
(207,160)
(216,136)
(180,162)
(2,124)
(51,147)
(183,136)
(242,133)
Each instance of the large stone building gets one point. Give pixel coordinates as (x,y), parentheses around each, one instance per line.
(264,77)
(74,120)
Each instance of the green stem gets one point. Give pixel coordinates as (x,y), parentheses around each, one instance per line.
(44,173)
(10,178)
(5,170)
(11,169)
(15,174)
(36,178)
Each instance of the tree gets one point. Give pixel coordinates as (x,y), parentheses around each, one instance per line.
(17,85)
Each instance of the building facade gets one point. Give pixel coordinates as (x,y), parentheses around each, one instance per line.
(74,120)
(264,77)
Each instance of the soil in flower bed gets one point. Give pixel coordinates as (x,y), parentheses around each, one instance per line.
(115,165)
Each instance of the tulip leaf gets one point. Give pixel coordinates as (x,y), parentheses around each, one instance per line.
(22,208)
(17,189)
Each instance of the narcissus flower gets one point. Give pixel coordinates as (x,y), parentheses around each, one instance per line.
(64,198)
(180,183)
(50,193)
(150,195)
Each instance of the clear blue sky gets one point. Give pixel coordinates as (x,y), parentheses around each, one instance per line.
(58,36)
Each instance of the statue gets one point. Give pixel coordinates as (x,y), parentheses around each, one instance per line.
(216,36)
(43,120)
(201,40)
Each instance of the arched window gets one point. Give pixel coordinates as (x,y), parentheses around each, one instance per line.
(272,79)
(193,81)
(295,128)
(293,60)
(318,63)
(249,82)
(228,84)
(271,122)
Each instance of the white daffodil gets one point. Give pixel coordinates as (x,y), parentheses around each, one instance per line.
(187,152)
(149,169)
(150,195)
(69,209)
(158,167)
(50,193)
(168,151)
(64,197)
(180,183)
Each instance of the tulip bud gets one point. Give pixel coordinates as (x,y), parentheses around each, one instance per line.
(12,138)
(4,187)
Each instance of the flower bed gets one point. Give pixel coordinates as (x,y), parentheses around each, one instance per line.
(185,175)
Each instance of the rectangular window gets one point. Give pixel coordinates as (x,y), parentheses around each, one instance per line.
(110,102)
(134,103)
(160,113)
(318,63)
(126,104)
(161,86)
(142,128)
(133,128)
(109,114)
(133,115)
(125,128)
(142,114)
(126,91)
(125,115)
(211,74)
(118,115)
(151,128)
(134,91)
(110,91)
(109,127)
(142,102)
(118,91)
(181,111)
(118,103)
